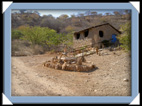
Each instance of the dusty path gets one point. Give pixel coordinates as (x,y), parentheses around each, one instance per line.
(30,78)
(26,81)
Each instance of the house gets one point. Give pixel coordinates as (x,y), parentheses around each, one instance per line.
(95,35)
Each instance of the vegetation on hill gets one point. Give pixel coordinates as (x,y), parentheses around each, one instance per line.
(125,37)
(64,23)
(50,32)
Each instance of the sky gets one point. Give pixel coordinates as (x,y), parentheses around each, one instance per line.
(57,13)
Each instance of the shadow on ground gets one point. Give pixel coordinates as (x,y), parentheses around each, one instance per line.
(83,71)
(90,70)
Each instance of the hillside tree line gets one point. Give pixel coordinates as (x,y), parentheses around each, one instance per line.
(47,30)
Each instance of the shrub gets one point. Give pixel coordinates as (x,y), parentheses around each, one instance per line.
(16,34)
(125,37)
(37,49)
(36,35)
(23,48)
(68,39)
(45,36)
(69,28)
(58,39)
(54,40)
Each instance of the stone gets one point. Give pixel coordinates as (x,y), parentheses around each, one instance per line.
(125,79)
(59,94)
(95,90)
(87,80)
(14,67)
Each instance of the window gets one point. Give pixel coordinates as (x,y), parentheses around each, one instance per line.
(101,34)
(77,36)
(86,33)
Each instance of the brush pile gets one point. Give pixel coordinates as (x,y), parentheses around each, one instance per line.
(70,64)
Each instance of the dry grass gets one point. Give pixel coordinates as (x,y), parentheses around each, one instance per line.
(24,48)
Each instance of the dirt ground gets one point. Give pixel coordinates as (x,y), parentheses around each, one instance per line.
(112,77)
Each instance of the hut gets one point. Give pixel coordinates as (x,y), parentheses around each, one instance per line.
(95,35)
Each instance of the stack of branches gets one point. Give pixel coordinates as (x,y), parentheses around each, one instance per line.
(81,49)
(70,64)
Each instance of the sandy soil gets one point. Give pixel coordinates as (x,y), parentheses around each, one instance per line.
(112,77)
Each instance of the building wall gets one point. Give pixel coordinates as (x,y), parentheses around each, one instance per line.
(82,42)
(107,34)
(93,37)
(82,35)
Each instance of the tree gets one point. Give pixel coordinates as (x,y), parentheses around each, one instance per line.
(36,12)
(69,28)
(116,13)
(80,15)
(107,14)
(63,16)
(126,11)
(44,36)
(125,37)
(52,23)
(94,13)
(87,13)
(73,16)
(100,15)
(58,39)
(121,12)
(36,35)
(128,14)
(16,34)
(22,11)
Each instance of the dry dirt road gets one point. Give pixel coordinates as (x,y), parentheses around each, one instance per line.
(112,77)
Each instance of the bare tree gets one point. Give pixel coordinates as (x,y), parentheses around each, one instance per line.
(107,14)
(22,11)
(116,13)
(87,13)
(94,13)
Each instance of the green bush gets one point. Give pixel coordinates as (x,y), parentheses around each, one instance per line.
(67,39)
(36,35)
(54,40)
(16,34)
(37,40)
(45,36)
(125,37)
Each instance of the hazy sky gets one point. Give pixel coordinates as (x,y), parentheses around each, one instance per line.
(57,13)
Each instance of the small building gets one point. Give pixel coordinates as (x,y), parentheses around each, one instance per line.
(95,35)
